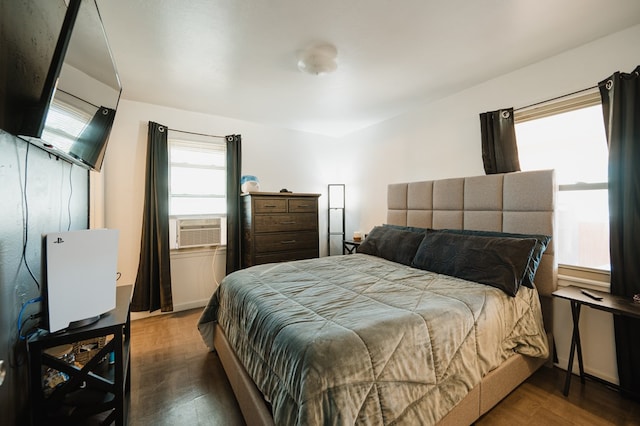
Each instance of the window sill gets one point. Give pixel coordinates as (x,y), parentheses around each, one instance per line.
(589,278)
(176,253)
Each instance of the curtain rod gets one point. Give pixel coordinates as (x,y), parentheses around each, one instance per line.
(197,134)
(556,98)
(78,98)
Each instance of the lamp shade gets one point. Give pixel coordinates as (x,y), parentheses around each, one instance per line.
(318,59)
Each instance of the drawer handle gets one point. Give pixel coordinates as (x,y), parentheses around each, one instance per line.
(288,242)
(303,205)
(271,206)
(290,222)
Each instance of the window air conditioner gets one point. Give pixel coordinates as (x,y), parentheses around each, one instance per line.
(198,232)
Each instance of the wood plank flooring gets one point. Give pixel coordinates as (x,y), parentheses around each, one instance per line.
(175,380)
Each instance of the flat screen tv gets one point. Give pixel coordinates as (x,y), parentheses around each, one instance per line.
(61,89)
(80,270)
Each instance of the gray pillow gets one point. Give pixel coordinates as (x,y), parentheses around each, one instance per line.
(496,261)
(407,228)
(392,244)
(542,241)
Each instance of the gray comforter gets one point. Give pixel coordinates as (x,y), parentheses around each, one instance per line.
(358,339)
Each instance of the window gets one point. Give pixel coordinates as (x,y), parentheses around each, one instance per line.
(570,137)
(66,119)
(197,178)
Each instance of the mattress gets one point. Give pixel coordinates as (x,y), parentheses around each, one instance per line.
(360,339)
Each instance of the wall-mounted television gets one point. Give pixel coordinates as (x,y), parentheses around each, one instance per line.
(60,89)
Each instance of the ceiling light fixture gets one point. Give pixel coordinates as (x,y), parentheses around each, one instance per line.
(318,59)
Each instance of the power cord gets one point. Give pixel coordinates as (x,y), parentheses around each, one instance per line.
(33,316)
(70,196)
(213,266)
(25,218)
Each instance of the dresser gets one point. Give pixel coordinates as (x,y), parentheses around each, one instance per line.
(278,227)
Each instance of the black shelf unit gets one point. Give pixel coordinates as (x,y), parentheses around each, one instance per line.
(336,218)
(97,390)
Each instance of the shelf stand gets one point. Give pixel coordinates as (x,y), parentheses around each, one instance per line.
(335,220)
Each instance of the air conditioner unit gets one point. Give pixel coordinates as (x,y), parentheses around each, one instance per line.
(198,232)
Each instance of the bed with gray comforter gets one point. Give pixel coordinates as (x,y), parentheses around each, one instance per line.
(361,339)
(422,326)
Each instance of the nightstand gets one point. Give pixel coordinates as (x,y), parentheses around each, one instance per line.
(350,246)
(616,305)
(99,387)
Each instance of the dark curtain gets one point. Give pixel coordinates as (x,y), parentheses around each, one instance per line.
(153,282)
(621,108)
(234,167)
(92,142)
(499,149)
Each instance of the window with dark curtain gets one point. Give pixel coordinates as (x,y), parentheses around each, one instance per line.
(234,169)
(153,281)
(499,149)
(621,109)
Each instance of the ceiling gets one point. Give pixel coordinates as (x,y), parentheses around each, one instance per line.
(238,58)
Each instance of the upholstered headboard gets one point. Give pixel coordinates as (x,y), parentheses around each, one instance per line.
(520,202)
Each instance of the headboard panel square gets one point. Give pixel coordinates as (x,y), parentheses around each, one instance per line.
(520,202)
(420,196)
(483,193)
(483,220)
(419,218)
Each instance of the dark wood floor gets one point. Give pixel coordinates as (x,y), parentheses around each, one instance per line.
(175,380)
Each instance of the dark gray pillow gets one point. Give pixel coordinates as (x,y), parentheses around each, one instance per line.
(407,228)
(496,261)
(392,244)
(542,241)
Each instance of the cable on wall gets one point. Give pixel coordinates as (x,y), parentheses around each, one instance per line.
(33,316)
(213,266)
(25,217)
(70,196)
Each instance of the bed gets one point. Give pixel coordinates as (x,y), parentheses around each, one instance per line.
(401,332)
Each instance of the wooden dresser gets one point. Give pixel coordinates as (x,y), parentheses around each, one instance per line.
(277,227)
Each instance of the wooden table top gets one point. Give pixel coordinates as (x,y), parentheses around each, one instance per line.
(610,303)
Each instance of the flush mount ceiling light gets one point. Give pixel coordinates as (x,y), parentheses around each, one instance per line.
(318,59)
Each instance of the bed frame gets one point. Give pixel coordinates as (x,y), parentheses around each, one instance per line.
(520,202)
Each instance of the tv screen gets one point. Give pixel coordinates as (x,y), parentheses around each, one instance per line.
(78,95)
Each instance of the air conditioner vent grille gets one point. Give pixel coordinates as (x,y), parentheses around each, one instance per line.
(198,232)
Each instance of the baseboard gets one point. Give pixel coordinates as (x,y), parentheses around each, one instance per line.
(176,308)
(562,364)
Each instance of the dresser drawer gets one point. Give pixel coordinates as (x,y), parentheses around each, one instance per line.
(285,222)
(286,256)
(270,205)
(284,241)
(301,205)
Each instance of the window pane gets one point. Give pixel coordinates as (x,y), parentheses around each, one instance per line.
(198,177)
(583,228)
(181,206)
(197,181)
(193,155)
(573,143)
